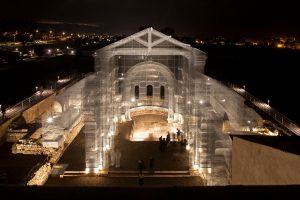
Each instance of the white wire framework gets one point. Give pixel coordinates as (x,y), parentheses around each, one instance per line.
(153,71)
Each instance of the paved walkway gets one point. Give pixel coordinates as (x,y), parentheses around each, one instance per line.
(171,167)
(175,158)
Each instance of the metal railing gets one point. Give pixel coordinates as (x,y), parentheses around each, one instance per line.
(38,96)
(265,107)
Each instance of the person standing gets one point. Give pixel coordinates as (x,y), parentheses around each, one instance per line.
(141,166)
(168,138)
(3,110)
(164,144)
(160,143)
(178,135)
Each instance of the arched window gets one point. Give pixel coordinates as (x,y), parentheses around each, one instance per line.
(136,92)
(162,92)
(149,90)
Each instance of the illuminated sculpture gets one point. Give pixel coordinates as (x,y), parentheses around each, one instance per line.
(149,72)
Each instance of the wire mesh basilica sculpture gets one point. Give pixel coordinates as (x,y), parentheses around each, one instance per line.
(149,72)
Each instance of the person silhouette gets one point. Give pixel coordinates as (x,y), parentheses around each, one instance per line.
(141,166)
(168,138)
(3,110)
(160,143)
(178,134)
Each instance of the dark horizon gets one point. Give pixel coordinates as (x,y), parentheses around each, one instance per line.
(191,18)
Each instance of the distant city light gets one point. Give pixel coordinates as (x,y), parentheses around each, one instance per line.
(280,45)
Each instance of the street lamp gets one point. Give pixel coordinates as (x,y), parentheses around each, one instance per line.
(244,86)
(57,78)
(268,102)
(36,88)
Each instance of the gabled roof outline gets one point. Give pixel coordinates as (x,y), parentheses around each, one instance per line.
(149,44)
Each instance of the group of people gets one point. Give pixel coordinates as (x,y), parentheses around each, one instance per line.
(180,138)
(163,142)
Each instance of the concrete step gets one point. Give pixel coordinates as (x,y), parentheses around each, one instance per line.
(131,174)
(149,174)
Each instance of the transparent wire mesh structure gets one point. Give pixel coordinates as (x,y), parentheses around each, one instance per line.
(152,71)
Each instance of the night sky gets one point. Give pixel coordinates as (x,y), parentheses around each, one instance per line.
(188,17)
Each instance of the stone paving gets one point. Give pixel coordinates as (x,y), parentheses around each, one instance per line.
(171,167)
(174,158)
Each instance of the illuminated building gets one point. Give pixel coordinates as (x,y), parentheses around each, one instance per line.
(149,73)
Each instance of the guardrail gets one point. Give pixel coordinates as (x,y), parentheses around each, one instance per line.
(26,103)
(38,96)
(265,107)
